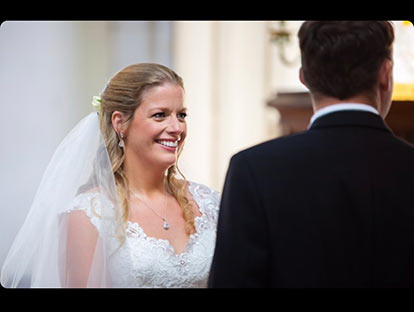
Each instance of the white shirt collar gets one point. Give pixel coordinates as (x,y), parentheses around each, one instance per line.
(341,107)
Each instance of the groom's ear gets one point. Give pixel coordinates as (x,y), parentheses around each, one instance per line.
(386,76)
(301,78)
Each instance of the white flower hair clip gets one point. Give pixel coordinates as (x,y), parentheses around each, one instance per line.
(96,102)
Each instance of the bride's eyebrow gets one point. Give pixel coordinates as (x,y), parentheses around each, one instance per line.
(164,108)
(158,108)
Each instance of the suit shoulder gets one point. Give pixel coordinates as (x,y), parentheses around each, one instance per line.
(277,145)
(405,145)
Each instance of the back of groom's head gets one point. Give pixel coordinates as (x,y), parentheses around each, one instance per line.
(341,59)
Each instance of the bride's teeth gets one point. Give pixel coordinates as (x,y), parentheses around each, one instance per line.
(169,143)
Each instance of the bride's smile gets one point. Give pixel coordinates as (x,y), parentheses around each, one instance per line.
(158,128)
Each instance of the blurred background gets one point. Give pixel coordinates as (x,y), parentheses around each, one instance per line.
(241,81)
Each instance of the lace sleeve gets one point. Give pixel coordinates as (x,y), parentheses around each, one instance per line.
(90,204)
(207,199)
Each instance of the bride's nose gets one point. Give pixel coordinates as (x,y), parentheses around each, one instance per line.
(175,126)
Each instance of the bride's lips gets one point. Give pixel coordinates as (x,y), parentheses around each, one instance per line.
(168,144)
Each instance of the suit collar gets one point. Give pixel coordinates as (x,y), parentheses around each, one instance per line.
(340,107)
(350,118)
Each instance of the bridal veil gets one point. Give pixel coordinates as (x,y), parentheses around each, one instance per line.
(50,249)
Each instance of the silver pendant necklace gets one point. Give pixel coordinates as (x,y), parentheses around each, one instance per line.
(165,225)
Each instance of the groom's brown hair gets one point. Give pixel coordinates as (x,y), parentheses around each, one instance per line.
(341,59)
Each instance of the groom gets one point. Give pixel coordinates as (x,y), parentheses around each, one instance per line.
(332,206)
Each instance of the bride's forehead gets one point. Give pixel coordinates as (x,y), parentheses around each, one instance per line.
(163,98)
(164,91)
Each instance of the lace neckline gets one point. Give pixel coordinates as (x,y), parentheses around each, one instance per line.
(137,232)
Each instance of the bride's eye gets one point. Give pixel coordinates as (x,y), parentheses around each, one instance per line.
(159,115)
(182,116)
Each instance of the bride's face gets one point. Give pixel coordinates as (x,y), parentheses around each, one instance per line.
(158,127)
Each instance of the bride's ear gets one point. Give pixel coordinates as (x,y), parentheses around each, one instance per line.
(118,120)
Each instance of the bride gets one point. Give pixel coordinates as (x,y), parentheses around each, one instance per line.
(110,210)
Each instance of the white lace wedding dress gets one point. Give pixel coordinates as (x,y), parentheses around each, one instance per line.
(144,261)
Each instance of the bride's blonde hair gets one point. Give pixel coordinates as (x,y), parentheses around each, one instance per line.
(124,93)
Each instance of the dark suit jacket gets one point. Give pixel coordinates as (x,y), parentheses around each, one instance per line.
(329,207)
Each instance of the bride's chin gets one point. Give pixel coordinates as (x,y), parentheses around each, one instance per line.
(166,164)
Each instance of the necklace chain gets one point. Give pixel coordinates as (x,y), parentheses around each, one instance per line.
(165,225)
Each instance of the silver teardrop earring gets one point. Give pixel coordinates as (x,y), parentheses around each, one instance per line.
(121,140)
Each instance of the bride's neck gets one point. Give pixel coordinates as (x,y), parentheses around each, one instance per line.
(145,180)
